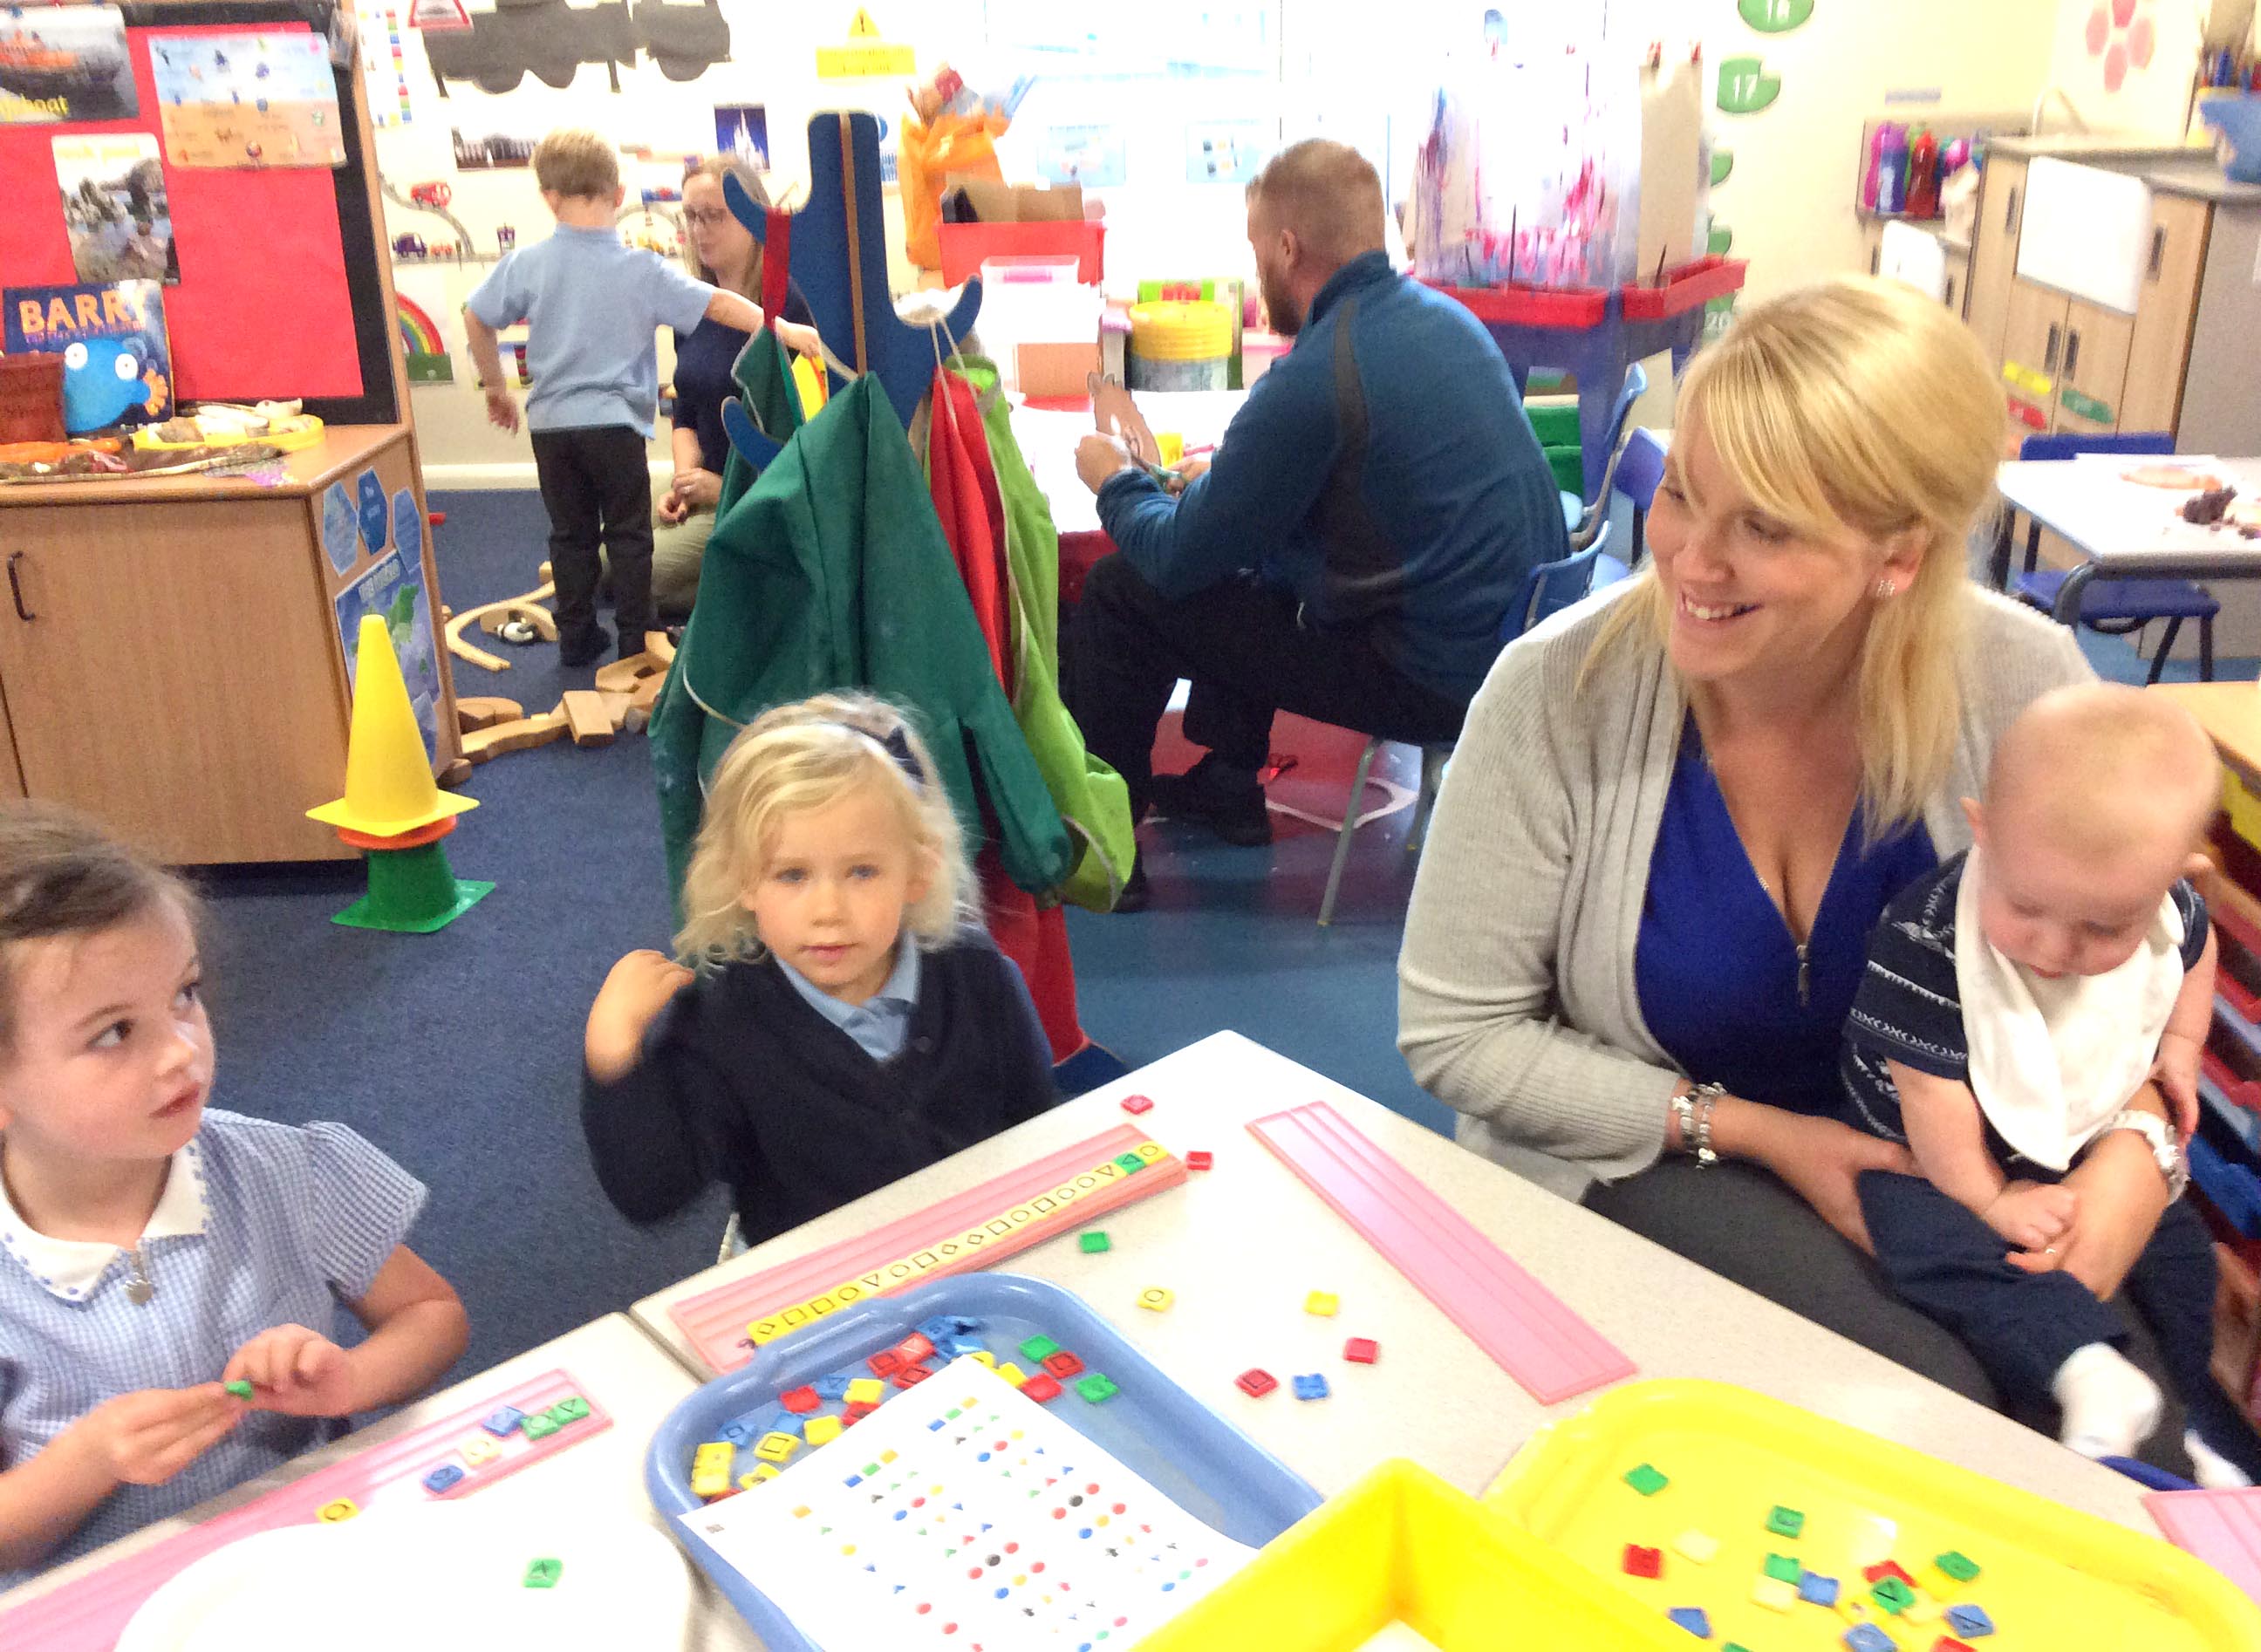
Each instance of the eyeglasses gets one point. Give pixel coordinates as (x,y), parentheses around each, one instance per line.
(707,216)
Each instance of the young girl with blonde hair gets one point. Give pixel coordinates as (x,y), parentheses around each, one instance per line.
(834,1018)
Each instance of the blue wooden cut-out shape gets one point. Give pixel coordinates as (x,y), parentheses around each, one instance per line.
(746,436)
(376,511)
(903,356)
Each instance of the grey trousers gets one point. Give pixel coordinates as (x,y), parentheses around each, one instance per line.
(1739,1222)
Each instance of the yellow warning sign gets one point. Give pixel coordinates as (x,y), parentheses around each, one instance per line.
(865,54)
(863,28)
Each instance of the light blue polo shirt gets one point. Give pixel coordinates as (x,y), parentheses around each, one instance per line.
(259,1224)
(881,1023)
(592,306)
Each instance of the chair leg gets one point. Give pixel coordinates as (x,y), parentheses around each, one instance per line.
(2033,544)
(2205,647)
(2166,647)
(1434,759)
(1349,825)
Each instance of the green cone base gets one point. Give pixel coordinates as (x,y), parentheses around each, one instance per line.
(412,892)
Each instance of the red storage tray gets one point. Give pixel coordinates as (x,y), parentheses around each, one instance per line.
(964,247)
(1522,306)
(1684,288)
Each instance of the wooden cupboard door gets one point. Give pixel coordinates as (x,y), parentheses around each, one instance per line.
(2158,352)
(2093,369)
(171,670)
(2033,347)
(1994,252)
(12,772)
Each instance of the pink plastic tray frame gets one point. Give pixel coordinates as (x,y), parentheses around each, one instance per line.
(2223,1529)
(715,1321)
(90,1612)
(1509,1314)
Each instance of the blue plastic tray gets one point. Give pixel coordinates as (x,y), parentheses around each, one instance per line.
(1187,1452)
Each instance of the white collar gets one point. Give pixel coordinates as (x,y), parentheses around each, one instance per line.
(72,1268)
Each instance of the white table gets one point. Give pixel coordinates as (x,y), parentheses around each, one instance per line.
(621,1370)
(2123,529)
(1243,1244)
(1048,440)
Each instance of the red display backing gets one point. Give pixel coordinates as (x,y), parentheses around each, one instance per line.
(263,308)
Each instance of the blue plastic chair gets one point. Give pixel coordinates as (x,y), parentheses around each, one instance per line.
(2119,608)
(1576,510)
(1548,589)
(1640,471)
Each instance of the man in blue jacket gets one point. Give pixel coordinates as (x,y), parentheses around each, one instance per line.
(1373,510)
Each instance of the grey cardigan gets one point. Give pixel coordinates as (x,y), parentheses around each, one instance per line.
(1516,998)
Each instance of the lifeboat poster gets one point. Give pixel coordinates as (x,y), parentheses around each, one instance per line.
(65,63)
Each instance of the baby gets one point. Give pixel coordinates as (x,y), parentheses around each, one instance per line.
(2047,988)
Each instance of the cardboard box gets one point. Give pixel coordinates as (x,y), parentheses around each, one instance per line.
(995,203)
(1056,368)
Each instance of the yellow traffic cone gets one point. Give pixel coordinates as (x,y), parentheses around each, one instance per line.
(389,788)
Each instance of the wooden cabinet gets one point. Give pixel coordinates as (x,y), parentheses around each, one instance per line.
(172,659)
(12,776)
(1994,250)
(2158,353)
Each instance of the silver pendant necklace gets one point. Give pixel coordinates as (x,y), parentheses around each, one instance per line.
(138,1289)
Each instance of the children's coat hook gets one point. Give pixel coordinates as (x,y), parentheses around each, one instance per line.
(838,245)
(747,437)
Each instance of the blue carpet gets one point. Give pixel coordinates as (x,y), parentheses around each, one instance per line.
(459,1052)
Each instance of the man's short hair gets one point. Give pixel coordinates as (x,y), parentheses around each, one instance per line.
(1327,193)
(574,161)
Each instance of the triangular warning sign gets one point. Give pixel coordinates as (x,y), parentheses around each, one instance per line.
(863,28)
(438,16)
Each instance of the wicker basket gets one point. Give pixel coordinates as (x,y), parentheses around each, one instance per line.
(31,397)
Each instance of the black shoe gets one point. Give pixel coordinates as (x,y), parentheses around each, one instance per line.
(1234,809)
(1134,893)
(583,650)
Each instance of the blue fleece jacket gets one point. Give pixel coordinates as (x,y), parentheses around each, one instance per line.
(1382,470)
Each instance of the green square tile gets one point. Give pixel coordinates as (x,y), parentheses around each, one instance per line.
(1645,1480)
(1039,1349)
(1957,1565)
(1892,1595)
(1131,1163)
(1094,1242)
(1784,1568)
(1785,1522)
(1096,1388)
(538,1425)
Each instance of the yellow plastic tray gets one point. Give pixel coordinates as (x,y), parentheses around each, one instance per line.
(2052,1580)
(289,443)
(1402,1548)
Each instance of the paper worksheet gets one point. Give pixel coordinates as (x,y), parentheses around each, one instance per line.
(962,1514)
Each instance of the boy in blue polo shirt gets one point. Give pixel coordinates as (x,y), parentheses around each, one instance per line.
(594,307)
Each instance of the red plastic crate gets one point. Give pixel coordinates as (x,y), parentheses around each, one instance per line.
(964,247)
(1684,288)
(1521,305)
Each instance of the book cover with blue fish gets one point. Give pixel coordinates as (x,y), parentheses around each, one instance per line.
(117,367)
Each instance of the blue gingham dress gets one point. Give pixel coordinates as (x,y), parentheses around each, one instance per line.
(285,1223)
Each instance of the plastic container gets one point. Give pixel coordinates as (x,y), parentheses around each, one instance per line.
(32,397)
(1401,1548)
(1685,287)
(1153,1428)
(1535,307)
(1039,304)
(2236,123)
(2049,1576)
(1177,344)
(965,247)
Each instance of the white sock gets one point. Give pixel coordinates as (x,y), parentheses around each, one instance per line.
(2110,1407)
(2214,1472)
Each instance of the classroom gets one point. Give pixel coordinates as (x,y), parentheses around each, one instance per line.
(1023,826)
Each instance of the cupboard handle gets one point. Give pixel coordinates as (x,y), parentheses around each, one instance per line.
(2158,251)
(2071,352)
(16,587)
(2049,350)
(2010,211)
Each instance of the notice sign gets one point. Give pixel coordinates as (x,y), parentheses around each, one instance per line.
(865,54)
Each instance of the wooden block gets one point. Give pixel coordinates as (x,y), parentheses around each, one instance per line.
(457,773)
(586,714)
(483,711)
(622,676)
(647,694)
(616,706)
(520,736)
(659,647)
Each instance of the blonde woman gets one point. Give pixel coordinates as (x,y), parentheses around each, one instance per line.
(721,251)
(835,1018)
(1678,810)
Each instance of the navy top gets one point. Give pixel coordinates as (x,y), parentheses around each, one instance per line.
(1715,966)
(704,357)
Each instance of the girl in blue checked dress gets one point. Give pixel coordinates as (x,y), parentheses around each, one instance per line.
(151,1251)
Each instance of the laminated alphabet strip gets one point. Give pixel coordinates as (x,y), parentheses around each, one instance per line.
(972,1229)
(1509,1314)
(466,1452)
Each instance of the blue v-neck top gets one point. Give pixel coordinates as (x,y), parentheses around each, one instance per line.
(1716,966)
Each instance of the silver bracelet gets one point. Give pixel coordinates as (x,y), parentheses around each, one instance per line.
(1693,1109)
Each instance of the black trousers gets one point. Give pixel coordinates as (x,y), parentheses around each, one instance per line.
(596,484)
(1247,655)
(1739,1222)
(2021,1327)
